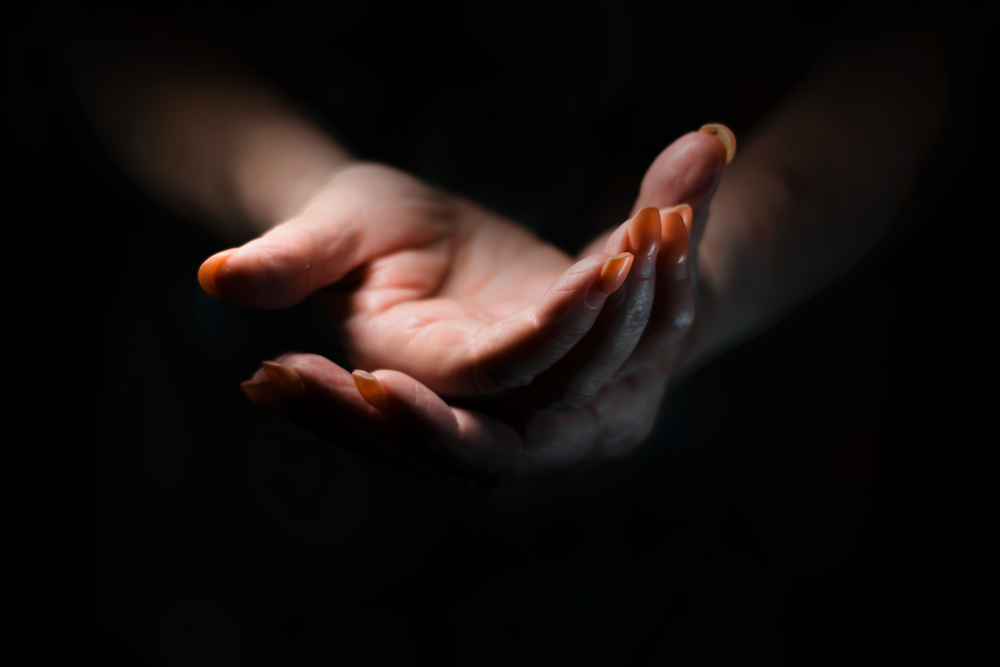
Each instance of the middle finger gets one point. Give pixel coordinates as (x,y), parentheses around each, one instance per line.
(624,317)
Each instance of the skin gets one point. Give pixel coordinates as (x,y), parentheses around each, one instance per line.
(527,328)
(457,297)
(500,355)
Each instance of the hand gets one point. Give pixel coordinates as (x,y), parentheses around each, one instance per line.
(390,408)
(415,429)
(466,302)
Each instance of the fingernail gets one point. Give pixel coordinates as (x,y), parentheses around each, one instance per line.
(675,238)
(614,272)
(685,211)
(211,266)
(263,394)
(371,389)
(725,137)
(644,232)
(285,379)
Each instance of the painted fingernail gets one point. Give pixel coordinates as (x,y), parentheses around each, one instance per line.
(685,211)
(371,389)
(614,272)
(675,238)
(725,137)
(211,266)
(263,394)
(285,379)
(644,233)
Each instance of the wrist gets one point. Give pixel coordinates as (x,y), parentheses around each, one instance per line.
(731,282)
(278,165)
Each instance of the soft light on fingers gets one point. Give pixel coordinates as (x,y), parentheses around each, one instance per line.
(675,238)
(614,272)
(616,332)
(644,232)
(285,379)
(372,390)
(686,172)
(683,210)
(476,440)
(726,138)
(209,268)
(514,351)
(325,380)
(673,307)
(621,325)
(407,395)
(639,235)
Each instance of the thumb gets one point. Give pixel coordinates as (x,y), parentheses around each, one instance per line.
(370,212)
(282,267)
(687,172)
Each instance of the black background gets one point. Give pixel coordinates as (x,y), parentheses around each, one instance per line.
(796,504)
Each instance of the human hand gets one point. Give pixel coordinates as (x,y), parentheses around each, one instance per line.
(416,429)
(390,408)
(468,303)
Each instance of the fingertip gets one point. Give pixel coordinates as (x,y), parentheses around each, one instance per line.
(406,395)
(372,390)
(644,232)
(285,379)
(262,394)
(324,381)
(675,237)
(726,138)
(683,210)
(614,272)
(208,271)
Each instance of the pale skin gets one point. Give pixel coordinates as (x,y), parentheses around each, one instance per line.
(484,342)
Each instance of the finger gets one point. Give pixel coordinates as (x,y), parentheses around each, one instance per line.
(489,357)
(262,392)
(475,439)
(623,318)
(619,418)
(338,414)
(391,396)
(673,305)
(368,211)
(514,351)
(285,379)
(688,172)
(468,443)
(408,414)
(322,378)
(315,393)
(555,442)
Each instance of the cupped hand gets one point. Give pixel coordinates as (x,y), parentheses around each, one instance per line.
(468,303)
(393,417)
(608,369)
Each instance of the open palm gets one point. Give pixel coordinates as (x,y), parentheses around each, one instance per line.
(456,293)
(435,286)
(459,302)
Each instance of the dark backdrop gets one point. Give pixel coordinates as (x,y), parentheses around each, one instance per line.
(792,506)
